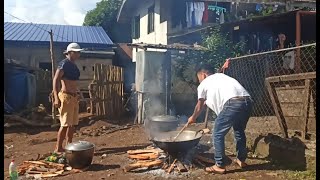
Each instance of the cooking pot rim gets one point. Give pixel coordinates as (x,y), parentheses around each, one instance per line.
(164,118)
(69,147)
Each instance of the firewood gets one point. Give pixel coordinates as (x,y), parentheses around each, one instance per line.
(165,166)
(145,156)
(49,175)
(142,164)
(40,169)
(204,159)
(142,151)
(181,167)
(172,166)
(198,162)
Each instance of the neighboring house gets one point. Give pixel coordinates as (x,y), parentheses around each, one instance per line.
(30,45)
(173,21)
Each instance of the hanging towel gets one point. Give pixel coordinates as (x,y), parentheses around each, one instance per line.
(221,19)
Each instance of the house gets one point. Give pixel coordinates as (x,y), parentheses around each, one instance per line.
(168,22)
(29,44)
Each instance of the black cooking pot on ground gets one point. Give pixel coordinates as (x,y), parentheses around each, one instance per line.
(79,154)
(163,123)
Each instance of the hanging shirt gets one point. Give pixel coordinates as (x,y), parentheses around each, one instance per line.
(205,17)
(288,60)
(217,89)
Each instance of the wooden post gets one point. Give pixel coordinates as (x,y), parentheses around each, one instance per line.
(53,70)
(277,109)
(306,107)
(206,118)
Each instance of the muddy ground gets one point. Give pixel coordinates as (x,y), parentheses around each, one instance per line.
(110,156)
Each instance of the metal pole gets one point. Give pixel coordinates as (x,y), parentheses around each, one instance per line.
(53,109)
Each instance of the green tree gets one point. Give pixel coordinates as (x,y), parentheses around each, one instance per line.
(104,14)
(219,48)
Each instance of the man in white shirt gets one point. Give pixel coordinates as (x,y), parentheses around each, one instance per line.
(232,104)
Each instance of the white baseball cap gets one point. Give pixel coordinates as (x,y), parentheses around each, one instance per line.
(73,47)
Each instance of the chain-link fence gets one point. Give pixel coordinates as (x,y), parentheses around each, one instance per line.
(282,83)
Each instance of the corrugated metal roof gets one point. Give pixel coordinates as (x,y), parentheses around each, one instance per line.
(30,32)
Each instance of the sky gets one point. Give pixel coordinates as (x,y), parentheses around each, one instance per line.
(67,12)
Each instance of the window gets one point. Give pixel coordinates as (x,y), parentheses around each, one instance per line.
(83,68)
(151,19)
(135,25)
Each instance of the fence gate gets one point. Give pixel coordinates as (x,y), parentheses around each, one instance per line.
(106,91)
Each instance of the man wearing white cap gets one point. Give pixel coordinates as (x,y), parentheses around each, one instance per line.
(65,95)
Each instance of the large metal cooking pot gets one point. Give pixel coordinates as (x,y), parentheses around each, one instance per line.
(163,123)
(79,154)
(185,141)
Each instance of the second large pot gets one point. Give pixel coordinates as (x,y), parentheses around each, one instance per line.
(163,123)
(79,154)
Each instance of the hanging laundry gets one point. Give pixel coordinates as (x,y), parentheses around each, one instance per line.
(258,7)
(282,38)
(221,19)
(289,60)
(198,11)
(194,13)
(205,17)
(225,65)
(179,14)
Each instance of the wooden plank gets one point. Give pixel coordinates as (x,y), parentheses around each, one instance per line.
(277,109)
(306,108)
(292,77)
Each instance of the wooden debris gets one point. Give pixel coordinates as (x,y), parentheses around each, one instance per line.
(165,166)
(172,166)
(141,164)
(145,156)
(181,167)
(141,151)
(42,168)
(204,159)
(198,162)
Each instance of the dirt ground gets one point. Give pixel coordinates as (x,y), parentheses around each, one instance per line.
(110,154)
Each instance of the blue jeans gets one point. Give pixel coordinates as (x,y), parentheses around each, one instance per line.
(235,113)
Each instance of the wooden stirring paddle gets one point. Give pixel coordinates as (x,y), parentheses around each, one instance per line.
(184,127)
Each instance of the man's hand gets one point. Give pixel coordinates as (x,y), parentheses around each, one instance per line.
(57,103)
(191,120)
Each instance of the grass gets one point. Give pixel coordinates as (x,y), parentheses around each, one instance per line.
(305,175)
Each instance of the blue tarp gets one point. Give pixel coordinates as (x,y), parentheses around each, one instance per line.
(19,88)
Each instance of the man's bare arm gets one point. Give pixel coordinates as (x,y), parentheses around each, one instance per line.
(197,110)
(56,82)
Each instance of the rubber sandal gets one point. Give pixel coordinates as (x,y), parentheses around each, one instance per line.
(212,170)
(240,164)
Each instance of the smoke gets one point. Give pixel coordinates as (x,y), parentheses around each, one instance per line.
(65,12)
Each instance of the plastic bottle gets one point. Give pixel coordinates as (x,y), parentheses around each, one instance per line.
(13,171)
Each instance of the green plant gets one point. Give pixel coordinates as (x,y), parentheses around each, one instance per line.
(219,48)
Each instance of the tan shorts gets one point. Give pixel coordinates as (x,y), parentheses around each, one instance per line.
(69,109)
